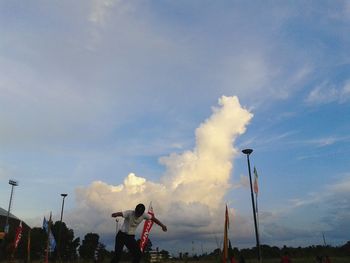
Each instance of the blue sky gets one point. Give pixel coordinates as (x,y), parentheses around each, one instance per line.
(120,102)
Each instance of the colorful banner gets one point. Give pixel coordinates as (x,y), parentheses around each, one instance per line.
(18,234)
(146,229)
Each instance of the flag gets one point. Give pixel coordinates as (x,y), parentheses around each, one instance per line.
(51,239)
(256,187)
(225,249)
(146,229)
(18,234)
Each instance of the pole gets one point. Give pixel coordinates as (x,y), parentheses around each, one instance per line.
(324,240)
(248,152)
(13,184)
(60,230)
(28,247)
(116,226)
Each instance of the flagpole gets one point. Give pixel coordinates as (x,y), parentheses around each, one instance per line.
(257,210)
(47,246)
(248,152)
(60,230)
(28,247)
(225,252)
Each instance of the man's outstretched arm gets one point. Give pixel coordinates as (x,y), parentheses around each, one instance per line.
(155,220)
(116,214)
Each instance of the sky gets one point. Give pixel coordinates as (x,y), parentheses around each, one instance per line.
(123,102)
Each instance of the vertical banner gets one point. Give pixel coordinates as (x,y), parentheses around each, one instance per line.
(146,229)
(256,186)
(18,234)
(225,248)
(46,226)
(51,242)
(256,191)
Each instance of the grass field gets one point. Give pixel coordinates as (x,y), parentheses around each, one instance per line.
(277,260)
(272,260)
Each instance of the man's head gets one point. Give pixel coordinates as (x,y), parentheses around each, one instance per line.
(139,210)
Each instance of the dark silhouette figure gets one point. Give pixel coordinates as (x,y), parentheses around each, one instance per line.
(126,235)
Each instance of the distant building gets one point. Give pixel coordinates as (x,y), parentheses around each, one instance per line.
(155,256)
(13,223)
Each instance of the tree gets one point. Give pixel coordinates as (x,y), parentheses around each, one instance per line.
(89,246)
(38,239)
(68,245)
(165,254)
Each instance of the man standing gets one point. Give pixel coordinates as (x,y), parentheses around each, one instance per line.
(126,235)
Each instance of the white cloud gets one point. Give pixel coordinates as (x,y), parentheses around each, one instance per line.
(99,10)
(342,186)
(190,195)
(243,182)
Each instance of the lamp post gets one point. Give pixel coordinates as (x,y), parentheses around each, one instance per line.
(60,229)
(248,152)
(13,183)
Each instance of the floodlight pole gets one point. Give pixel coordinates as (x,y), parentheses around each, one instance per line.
(60,229)
(13,183)
(248,152)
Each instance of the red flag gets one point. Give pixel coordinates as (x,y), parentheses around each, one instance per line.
(225,249)
(18,234)
(256,187)
(146,229)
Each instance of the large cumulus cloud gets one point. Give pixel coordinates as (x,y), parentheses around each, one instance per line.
(189,197)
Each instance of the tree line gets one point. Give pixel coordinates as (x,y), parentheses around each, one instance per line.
(276,252)
(90,248)
(33,245)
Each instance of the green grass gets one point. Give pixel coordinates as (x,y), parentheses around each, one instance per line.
(273,260)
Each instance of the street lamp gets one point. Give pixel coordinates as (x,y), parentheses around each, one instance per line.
(60,229)
(13,183)
(248,152)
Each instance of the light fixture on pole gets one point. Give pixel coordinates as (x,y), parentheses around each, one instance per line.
(60,229)
(248,152)
(13,183)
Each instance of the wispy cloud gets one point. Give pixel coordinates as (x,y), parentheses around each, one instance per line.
(100,9)
(331,204)
(327,93)
(324,141)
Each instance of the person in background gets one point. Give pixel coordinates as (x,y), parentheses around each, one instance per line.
(285,258)
(233,259)
(327,259)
